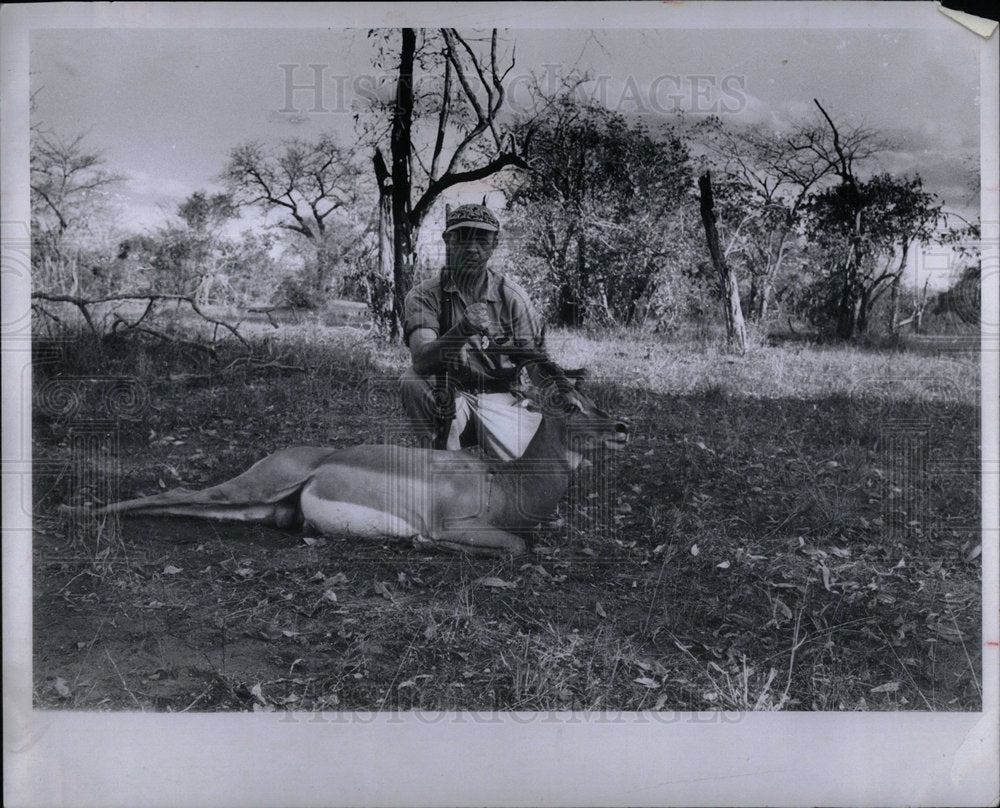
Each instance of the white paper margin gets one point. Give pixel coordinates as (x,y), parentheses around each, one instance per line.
(129,759)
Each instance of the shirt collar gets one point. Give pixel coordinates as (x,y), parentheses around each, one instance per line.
(493,281)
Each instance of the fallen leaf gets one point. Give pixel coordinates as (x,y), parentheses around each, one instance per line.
(258,693)
(330,595)
(339,578)
(62,688)
(496,583)
(826,577)
(723,566)
(600,610)
(170,569)
(695,550)
(645,681)
(382,590)
(888,687)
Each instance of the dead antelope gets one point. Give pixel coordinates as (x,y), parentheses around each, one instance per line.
(447,499)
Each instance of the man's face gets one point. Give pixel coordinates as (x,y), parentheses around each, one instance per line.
(468,249)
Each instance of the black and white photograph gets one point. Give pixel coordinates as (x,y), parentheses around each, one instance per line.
(531,370)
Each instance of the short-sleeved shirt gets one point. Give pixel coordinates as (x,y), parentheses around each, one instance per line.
(438,305)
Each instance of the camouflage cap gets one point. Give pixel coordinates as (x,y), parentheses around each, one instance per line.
(476,216)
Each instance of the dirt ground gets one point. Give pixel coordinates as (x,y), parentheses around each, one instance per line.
(744,552)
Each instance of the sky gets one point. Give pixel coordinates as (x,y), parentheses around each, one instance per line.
(165,106)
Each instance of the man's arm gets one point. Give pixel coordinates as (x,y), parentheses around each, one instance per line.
(430,353)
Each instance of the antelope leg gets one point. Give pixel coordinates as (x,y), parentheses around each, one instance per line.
(475,539)
(255,495)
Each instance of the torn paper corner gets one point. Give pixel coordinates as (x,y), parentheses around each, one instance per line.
(978,25)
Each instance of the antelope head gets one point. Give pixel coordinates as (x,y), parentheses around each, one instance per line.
(576,421)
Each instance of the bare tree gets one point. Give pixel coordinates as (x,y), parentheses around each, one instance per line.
(446,136)
(729,289)
(765,177)
(69,189)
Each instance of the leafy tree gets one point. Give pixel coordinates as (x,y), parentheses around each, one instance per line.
(596,210)
(204,216)
(962,301)
(867,228)
(187,256)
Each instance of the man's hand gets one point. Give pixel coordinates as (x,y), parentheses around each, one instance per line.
(476,319)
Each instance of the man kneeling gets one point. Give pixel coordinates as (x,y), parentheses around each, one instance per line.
(450,321)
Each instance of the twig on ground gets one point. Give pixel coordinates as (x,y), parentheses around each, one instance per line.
(904,668)
(972,668)
(399,667)
(122,678)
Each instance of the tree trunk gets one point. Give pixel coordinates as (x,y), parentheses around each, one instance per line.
(894,306)
(383,307)
(765,296)
(861,318)
(753,299)
(736,331)
(568,308)
(400,145)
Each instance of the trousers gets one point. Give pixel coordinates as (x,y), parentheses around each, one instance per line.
(503,425)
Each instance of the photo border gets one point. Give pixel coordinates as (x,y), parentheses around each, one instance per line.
(130,759)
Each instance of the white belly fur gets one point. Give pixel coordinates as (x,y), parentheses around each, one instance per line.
(332,518)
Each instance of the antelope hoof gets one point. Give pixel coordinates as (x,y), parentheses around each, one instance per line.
(421,542)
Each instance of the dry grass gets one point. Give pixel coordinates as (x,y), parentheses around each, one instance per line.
(795,529)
